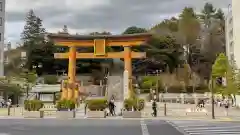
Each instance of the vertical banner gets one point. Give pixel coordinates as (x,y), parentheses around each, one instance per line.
(125,84)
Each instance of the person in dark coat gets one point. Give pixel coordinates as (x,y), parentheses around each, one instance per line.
(111,107)
(154,108)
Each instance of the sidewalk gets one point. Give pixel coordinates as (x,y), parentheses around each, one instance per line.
(166,118)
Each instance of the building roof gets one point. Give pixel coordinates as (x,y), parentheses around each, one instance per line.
(92,37)
(41,88)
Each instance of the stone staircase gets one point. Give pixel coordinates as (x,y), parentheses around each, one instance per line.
(115,87)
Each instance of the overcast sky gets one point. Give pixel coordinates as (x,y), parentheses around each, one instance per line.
(84,16)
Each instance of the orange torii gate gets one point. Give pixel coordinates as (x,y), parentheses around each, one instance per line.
(99,42)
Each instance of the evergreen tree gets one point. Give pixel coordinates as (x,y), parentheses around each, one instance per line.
(32,36)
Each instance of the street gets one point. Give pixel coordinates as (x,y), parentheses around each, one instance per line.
(85,127)
(206,127)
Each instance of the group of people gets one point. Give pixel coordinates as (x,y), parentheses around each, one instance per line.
(5,103)
(201,104)
(224,103)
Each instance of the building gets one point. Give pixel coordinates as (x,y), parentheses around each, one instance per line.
(233,32)
(2,29)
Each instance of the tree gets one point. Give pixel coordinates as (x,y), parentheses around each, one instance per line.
(162,51)
(30,77)
(220,69)
(207,14)
(212,39)
(189,25)
(32,36)
(134,29)
(170,24)
(220,66)
(101,33)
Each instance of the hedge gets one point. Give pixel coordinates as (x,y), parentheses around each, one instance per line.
(136,104)
(65,105)
(33,105)
(97,104)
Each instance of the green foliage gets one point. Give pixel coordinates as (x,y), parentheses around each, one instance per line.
(232,82)
(65,105)
(149,82)
(141,104)
(220,66)
(134,29)
(189,25)
(135,103)
(171,24)
(50,79)
(97,104)
(32,36)
(31,77)
(33,105)
(10,88)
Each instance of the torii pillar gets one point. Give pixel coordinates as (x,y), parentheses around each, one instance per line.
(128,67)
(72,73)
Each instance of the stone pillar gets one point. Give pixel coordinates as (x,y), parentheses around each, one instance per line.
(71,71)
(195,98)
(128,67)
(182,96)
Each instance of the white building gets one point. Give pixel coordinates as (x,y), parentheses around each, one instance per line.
(233,32)
(2,29)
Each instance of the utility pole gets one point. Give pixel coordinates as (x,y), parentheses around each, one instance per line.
(212,87)
(212,98)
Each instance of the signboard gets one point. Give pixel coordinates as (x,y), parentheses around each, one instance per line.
(99,47)
(224,81)
(125,84)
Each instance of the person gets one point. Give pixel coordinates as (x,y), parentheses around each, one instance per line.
(154,108)
(226,107)
(85,108)
(111,107)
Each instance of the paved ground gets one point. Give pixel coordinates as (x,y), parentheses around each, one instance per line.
(207,128)
(85,127)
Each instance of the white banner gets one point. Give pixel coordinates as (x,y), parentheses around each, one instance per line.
(125,84)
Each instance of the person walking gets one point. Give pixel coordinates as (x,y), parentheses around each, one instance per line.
(154,108)
(111,107)
(85,108)
(226,107)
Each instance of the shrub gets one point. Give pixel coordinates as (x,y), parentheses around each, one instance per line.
(33,105)
(128,104)
(50,79)
(141,104)
(136,104)
(65,105)
(97,104)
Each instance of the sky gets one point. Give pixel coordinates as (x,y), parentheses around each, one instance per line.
(85,16)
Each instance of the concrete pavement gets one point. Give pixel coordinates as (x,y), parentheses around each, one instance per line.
(85,127)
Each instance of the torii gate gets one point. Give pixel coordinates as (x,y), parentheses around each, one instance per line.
(99,42)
